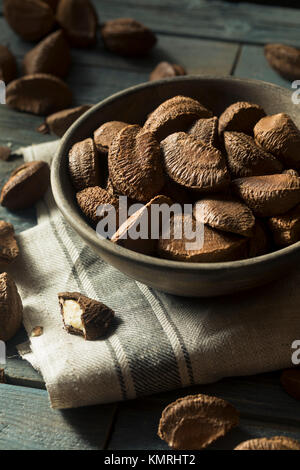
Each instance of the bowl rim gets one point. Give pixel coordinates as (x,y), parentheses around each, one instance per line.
(80,225)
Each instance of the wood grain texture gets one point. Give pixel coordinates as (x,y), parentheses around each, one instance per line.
(242,22)
(19,129)
(197,55)
(17,370)
(27,422)
(252,64)
(265,411)
(22,220)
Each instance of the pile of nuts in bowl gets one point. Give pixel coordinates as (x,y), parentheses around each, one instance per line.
(238,171)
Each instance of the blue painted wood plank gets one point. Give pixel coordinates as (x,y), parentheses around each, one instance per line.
(17,370)
(250,23)
(194,54)
(217,19)
(28,423)
(252,64)
(21,220)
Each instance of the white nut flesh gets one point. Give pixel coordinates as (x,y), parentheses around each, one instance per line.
(72,314)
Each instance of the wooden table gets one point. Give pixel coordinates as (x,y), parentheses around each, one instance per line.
(206,37)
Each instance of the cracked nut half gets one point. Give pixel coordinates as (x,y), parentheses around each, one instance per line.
(268,195)
(11,308)
(84,316)
(84,165)
(272,443)
(211,246)
(193,164)
(26,185)
(225,214)
(285,228)
(279,135)
(135,164)
(38,93)
(105,134)
(245,158)
(195,421)
(206,130)
(241,117)
(142,217)
(175,115)
(89,199)
(9,249)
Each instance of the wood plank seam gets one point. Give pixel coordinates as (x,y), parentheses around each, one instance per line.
(111,426)
(236,59)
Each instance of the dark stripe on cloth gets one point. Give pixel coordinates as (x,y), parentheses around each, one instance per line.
(180,338)
(150,356)
(81,289)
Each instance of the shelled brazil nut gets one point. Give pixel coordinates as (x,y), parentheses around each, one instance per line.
(237,172)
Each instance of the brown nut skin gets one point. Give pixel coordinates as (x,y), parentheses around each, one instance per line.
(272,443)
(218,246)
(206,130)
(96,317)
(135,164)
(52,4)
(11,308)
(268,195)
(26,185)
(193,164)
(39,93)
(285,228)
(195,421)
(290,172)
(166,70)
(127,37)
(8,65)
(279,135)
(90,199)
(30,19)
(225,214)
(145,246)
(284,59)
(58,123)
(259,243)
(5,152)
(78,18)
(240,117)
(175,115)
(51,55)
(84,165)
(290,381)
(2,377)
(105,134)
(176,192)
(245,158)
(9,249)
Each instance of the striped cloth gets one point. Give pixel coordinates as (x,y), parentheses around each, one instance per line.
(158,341)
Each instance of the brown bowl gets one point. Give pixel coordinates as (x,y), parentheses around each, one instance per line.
(133,105)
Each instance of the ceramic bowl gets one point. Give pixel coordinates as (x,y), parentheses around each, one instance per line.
(132,106)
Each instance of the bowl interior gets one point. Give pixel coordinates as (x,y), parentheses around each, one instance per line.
(132,106)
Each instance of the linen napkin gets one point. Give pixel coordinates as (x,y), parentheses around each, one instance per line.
(158,342)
